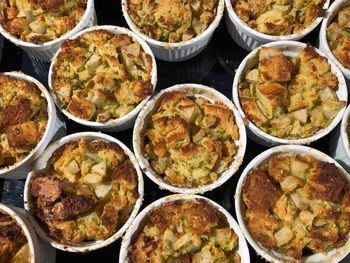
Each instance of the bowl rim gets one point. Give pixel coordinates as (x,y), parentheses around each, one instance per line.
(51,112)
(116,30)
(342,90)
(167,45)
(86,246)
(265,37)
(333,10)
(141,121)
(78,26)
(343,132)
(334,255)
(243,247)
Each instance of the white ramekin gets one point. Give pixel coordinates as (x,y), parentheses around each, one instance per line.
(42,162)
(55,129)
(127,121)
(249,38)
(46,50)
(142,121)
(27,230)
(335,255)
(323,42)
(180,51)
(291,48)
(339,145)
(140,221)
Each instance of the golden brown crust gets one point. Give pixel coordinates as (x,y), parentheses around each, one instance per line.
(41,21)
(337,38)
(13,242)
(278,17)
(259,193)
(307,210)
(88,192)
(190,141)
(172,20)
(101,76)
(179,232)
(23,119)
(290,98)
(326,182)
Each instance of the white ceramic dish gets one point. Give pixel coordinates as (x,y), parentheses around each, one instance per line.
(334,255)
(181,51)
(27,230)
(41,163)
(127,121)
(249,38)
(134,228)
(323,42)
(46,50)
(340,144)
(291,48)
(55,129)
(151,106)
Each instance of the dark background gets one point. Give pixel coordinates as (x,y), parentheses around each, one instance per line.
(214,67)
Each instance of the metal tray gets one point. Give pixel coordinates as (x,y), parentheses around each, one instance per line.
(214,67)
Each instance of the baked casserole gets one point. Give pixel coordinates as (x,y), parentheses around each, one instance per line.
(41,21)
(23,119)
(290,98)
(14,247)
(338,36)
(297,205)
(87,192)
(190,141)
(101,76)
(278,17)
(184,231)
(172,20)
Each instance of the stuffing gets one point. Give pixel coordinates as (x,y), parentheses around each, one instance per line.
(41,21)
(172,20)
(101,76)
(23,119)
(184,231)
(88,192)
(296,203)
(190,141)
(290,98)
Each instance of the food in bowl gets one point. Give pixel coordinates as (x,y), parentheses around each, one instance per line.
(189,141)
(41,21)
(278,18)
(101,76)
(290,97)
(338,36)
(14,247)
(172,20)
(184,231)
(297,205)
(23,119)
(87,192)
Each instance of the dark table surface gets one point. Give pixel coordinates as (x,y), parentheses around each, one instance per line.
(214,67)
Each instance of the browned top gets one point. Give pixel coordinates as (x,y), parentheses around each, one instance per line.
(13,243)
(295,202)
(101,76)
(179,232)
(278,17)
(190,141)
(290,97)
(87,193)
(23,119)
(39,21)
